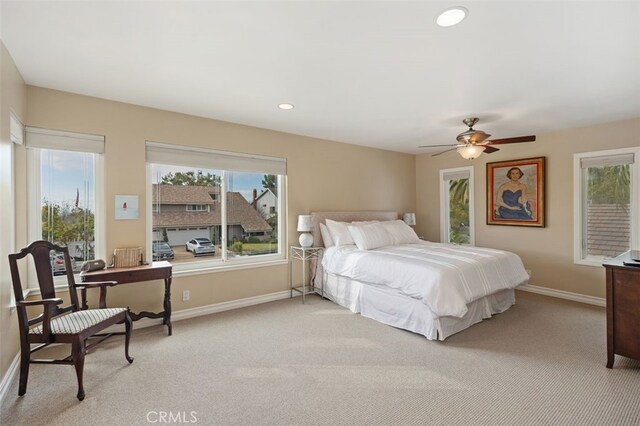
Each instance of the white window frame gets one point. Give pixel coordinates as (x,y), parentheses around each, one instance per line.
(226,263)
(38,139)
(198,208)
(579,189)
(444,203)
(8,194)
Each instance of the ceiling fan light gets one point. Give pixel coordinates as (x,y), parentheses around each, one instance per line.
(470,152)
(452,16)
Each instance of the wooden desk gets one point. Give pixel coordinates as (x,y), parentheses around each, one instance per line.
(623,309)
(155,271)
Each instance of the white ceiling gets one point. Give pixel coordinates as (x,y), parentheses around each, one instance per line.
(380,74)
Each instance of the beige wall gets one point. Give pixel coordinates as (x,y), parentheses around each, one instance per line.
(548,251)
(321,175)
(12,99)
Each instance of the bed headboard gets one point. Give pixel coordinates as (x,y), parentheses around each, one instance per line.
(319,217)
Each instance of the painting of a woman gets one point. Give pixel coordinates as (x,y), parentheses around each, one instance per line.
(515,192)
(511,199)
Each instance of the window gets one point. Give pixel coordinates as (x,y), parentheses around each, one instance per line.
(605,204)
(219,186)
(196,208)
(65,196)
(456,205)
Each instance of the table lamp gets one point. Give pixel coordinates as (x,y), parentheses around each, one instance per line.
(409,218)
(305,225)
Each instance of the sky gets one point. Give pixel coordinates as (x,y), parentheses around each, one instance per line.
(241,182)
(67,174)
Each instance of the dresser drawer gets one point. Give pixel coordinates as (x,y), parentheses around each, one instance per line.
(623,310)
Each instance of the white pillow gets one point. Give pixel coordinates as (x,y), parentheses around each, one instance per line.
(370,236)
(326,235)
(401,232)
(339,232)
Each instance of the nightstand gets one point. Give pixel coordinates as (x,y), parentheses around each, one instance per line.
(304,255)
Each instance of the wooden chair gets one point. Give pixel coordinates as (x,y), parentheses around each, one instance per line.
(52,325)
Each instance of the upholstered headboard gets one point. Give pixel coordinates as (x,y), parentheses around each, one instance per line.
(320,217)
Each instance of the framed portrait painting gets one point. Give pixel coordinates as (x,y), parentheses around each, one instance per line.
(515,192)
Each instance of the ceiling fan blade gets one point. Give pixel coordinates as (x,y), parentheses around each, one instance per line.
(513,140)
(435,146)
(489,149)
(442,152)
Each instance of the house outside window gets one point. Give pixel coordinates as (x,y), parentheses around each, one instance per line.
(65,174)
(605,204)
(197,202)
(197,208)
(456,206)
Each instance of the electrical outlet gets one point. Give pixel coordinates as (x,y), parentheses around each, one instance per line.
(185,295)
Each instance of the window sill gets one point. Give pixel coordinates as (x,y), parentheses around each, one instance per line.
(184,270)
(209,268)
(597,262)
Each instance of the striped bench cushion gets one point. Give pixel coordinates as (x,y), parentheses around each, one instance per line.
(76,322)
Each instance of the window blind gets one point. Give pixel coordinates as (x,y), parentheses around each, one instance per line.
(16,129)
(609,160)
(174,155)
(66,141)
(455,175)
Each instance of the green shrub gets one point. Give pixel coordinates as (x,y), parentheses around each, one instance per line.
(237,246)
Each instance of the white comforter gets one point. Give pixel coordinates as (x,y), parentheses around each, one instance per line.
(445,277)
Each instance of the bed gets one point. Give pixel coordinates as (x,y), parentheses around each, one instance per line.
(428,288)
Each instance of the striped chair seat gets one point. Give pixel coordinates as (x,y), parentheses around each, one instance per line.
(76,322)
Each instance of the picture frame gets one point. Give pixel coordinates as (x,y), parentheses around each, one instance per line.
(516,192)
(127,207)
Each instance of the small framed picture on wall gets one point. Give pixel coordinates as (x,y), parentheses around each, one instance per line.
(127,207)
(515,192)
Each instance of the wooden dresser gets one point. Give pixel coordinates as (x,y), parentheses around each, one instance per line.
(623,309)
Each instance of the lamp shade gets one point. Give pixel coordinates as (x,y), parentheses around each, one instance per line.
(409,218)
(305,223)
(470,152)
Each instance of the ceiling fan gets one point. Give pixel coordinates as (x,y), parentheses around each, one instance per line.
(472,143)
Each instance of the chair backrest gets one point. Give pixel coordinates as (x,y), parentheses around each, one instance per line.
(41,252)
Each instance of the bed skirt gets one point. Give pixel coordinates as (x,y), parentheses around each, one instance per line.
(393,308)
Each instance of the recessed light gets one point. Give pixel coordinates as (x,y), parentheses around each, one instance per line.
(452,16)
(285,106)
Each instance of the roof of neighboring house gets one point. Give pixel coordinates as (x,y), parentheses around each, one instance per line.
(240,212)
(608,229)
(183,194)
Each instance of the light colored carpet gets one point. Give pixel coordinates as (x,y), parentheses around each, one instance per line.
(284,363)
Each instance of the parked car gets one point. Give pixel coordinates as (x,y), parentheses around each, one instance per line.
(57,263)
(162,251)
(200,246)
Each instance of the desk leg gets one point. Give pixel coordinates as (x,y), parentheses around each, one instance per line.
(83,296)
(167,304)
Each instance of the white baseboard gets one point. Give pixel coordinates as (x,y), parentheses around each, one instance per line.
(8,377)
(148,322)
(205,310)
(561,294)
